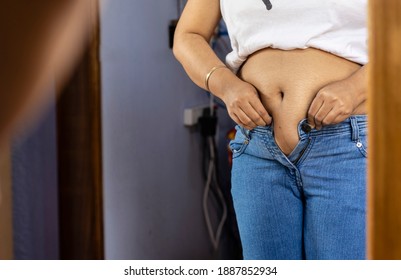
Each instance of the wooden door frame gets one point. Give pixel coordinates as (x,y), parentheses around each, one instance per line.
(6,205)
(384,190)
(80,154)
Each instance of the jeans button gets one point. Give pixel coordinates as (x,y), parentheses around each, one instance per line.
(306,127)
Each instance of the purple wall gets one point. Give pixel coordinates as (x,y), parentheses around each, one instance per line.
(35,194)
(152,173)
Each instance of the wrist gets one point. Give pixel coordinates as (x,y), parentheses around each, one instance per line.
(357,83)
(219,81)
(210,73)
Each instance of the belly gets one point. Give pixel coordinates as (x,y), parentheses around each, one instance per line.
(288,81)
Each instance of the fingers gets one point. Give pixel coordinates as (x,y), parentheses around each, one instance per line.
(325,115)
(254,115)
(246,109)
(330,106)
(237,120)
(245,120)
(321,115)
(261,111)
(314,108)
(248,118)
(331,118)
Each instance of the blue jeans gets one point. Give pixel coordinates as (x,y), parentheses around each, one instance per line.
(310,204)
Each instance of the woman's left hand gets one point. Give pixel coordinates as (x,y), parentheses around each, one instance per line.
(337,101)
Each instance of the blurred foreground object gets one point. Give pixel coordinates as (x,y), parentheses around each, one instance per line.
(384,207)
(6,230)
(40,40)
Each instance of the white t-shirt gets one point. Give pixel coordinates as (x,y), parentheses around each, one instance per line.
(335,26)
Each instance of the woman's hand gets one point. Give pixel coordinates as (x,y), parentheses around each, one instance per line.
(337,101)
(244,105)
(191,47)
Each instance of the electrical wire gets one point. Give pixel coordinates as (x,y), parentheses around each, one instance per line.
(212,177)
(212,182)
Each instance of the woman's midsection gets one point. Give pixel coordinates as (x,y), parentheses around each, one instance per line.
(288,81)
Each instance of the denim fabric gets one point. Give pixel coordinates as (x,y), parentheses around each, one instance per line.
(310,204)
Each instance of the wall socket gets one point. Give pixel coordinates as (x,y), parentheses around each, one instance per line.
(192,115)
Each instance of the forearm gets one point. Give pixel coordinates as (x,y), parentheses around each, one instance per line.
(198,58)
(192,49)
(358,83)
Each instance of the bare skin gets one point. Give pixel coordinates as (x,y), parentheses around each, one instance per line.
(297,84)
(286,86)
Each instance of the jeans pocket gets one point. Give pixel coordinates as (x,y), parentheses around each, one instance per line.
(362,145)
(239,143)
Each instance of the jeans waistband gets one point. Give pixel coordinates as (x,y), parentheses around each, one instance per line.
(353,124)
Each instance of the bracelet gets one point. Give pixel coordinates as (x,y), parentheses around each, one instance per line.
(207,77)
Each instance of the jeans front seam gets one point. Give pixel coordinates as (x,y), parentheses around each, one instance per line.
(291,170)
(306,151)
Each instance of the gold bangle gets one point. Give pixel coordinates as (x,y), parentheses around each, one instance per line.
(207,77)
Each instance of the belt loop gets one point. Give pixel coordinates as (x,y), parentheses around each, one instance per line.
(245,131)
(354,129)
